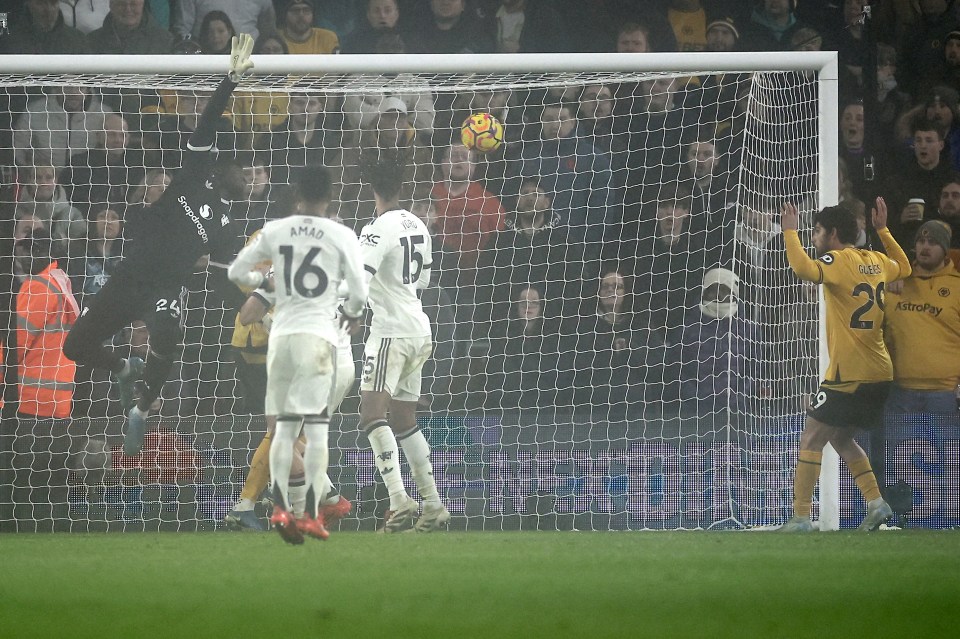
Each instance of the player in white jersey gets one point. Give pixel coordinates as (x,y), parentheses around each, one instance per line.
(396,255)
(311,255)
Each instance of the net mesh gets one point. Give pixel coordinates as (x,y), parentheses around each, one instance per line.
(618,342)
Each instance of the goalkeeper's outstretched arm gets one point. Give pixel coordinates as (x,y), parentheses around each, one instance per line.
(203,137)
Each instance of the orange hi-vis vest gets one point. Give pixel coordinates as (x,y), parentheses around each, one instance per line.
(46,309)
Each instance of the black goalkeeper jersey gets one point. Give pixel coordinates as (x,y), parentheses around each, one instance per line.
(190,219)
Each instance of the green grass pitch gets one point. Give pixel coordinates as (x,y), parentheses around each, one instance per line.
(481,584)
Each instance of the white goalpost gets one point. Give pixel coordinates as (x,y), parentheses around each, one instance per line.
(583,378)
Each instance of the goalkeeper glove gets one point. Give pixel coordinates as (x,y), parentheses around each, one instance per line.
(240,49)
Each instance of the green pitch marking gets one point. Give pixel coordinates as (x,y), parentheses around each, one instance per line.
(530,584)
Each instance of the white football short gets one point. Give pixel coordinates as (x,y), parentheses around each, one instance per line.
(300,371)
(395,365)
(344,375)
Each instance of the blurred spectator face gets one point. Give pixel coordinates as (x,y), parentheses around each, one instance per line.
(127,13)
(613,291)
(635,41)
(299,20)
(951,51)
(457,163)
(257,179)
(556,122)
(392,128)
(596,102)
(939,112)
(106,225)
(930,255)
(426,211)
(271,46)
(721,39)
(382,14)
(157,182)
(217,36)
(446,11)
(777,8)
(43,185)
(927,146)
(532,200)
(671,219)
(191,105)
(306,105)
(116,134)
(44,13)
(73,98)
(950,201)
(660,93)
(851,126)
(701,158)
(528,305)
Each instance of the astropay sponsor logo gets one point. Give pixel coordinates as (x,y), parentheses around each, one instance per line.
(920,308)
(202,232)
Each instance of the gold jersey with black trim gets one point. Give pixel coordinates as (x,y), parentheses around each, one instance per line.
(854,282)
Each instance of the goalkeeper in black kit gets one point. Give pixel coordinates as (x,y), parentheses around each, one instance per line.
(189,222)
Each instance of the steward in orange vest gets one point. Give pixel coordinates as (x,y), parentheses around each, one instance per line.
(46,309)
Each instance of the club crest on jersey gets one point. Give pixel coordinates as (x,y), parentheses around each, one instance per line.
(205,212)
(224,220)
(826,259)
(369,239)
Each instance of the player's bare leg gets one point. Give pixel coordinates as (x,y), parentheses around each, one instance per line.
(373,420)
(403,419)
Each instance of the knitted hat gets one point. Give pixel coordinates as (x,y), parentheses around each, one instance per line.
(726,23)
(723,277)
(936,231)
(953,35)
(294,3)
(946,95)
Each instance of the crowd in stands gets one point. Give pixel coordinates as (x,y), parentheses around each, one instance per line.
(598,260)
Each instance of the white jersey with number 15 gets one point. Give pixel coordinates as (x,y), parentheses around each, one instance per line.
(397,253)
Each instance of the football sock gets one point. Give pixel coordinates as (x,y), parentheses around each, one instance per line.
(259,473)
(244,505)
(315,457)
(417,451)
(155,373)
(328,494)
(386,454)
(298,496)
(807,473)
(865,478)
(281,456)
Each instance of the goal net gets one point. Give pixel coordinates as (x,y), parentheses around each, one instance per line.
(618,342)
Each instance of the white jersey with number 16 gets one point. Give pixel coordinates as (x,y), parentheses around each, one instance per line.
(310,255)
(397,253)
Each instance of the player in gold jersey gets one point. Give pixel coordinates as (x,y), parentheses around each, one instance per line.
(857,381)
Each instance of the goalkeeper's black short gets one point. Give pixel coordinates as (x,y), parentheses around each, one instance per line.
(862,408)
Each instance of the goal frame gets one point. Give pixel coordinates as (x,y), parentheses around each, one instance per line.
(825,64)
